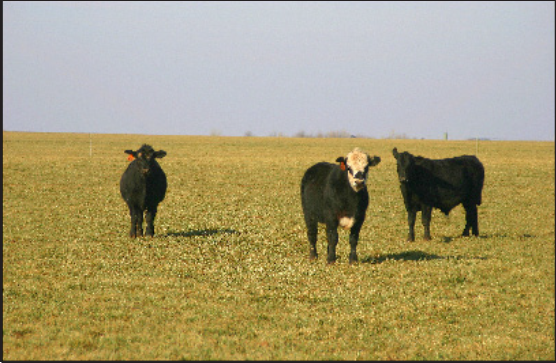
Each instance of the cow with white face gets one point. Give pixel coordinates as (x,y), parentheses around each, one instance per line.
(336,194)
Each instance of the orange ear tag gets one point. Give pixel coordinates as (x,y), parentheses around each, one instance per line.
(130,157)
(343,166)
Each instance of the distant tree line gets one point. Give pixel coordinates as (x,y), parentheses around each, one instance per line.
(335,134)
(342,134)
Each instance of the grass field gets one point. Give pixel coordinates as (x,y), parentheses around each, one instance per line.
(227,275)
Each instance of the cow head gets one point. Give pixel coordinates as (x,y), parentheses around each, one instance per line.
(146,156)
(356,164)
(405,165)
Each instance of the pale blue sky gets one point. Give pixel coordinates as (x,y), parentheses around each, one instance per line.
(472,69)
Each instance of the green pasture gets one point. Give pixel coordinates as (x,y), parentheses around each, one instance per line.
(227,275)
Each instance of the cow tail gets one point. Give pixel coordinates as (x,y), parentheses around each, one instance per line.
(478,182)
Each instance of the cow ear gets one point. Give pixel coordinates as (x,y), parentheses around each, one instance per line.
(395,152)
(342,162)
(374,160)
(132,155)
(160,154)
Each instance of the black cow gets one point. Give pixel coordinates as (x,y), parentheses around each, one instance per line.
(143,185)
(336,194)
(442,184)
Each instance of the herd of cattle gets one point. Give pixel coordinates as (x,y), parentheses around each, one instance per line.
(334,194)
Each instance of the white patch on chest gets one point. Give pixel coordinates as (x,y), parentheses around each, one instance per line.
(347,222)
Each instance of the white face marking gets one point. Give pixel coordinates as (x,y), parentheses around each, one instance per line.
(357,161)
(346,222)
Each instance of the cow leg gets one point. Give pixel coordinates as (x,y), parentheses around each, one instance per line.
(471,220)
(411,215)
(312,230)
(132,231)
(426,213)
(151,213)
(332,235)
(133,216)
(475,222)
(353,239)
(139,222)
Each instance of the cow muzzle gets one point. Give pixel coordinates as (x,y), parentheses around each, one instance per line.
(358,184)
(357,181)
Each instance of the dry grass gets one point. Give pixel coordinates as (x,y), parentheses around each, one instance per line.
(227,275)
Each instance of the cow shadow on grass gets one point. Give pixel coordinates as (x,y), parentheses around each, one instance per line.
(201,232)
(508,235)
(413,256)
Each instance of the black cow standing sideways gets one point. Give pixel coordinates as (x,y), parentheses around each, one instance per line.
(336,194)
(442,184)
(143,186)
